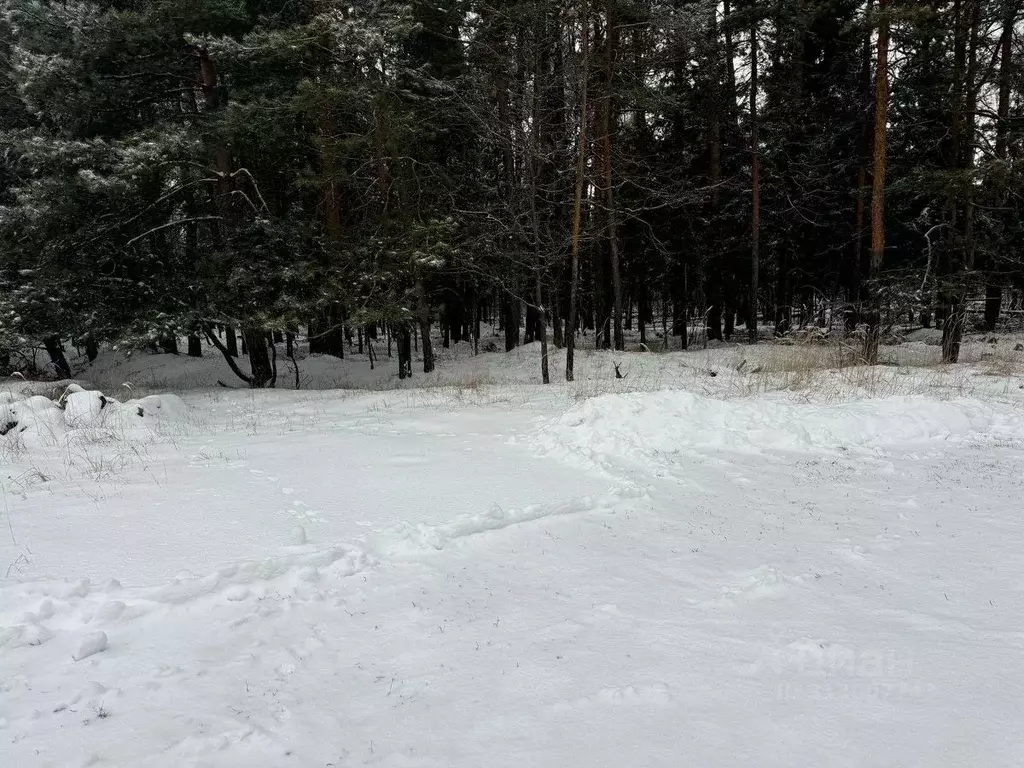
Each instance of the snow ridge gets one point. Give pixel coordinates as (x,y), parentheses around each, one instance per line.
(407,539)
(644,427)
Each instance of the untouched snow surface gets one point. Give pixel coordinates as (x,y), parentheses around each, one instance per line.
(511,577)
(644,426)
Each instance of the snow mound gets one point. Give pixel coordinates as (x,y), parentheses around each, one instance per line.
(34,420)
(644,426)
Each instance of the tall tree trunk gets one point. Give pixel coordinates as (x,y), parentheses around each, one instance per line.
(428,347)
(664,320)
(993,305)
(510,313)
(55,349)
(948,293)
(505,120)
(878,185)
(643,300)
(732,110)
(681,307)
(608,126)
(964,131)
(334,337)
(577,212)
(261,371)
(970,126)
(231,340)
(539,139)
(860,268)
(227,204)
(530,329)
(423,320)
(474,308)
(331,334)
(455,319)
(731,284)
(542,331)
(598,262)
(195,345)
(994,287)
(783,309)
(314,335)
(755,161)
(557,325)
(403,341)
(714,280)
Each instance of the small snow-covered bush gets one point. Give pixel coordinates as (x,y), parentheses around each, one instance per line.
(29,421)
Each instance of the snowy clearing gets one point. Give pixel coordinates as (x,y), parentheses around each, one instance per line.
(513,575)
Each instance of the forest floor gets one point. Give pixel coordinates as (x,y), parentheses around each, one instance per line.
(699,564)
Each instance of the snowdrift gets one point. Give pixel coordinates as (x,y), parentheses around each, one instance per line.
(642,426)
(34,420)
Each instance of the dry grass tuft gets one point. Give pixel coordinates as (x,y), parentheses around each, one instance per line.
(1001,361)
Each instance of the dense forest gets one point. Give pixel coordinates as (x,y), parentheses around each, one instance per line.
(242,172)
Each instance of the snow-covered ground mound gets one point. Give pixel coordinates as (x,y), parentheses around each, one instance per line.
(639,426)
(35,421)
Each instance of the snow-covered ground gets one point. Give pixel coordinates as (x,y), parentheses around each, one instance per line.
(675,568)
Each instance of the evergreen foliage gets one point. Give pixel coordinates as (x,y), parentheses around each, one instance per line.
(168,167)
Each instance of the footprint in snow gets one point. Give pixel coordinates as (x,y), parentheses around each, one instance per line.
(264,475)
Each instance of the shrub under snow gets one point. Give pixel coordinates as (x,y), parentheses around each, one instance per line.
(35,420)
